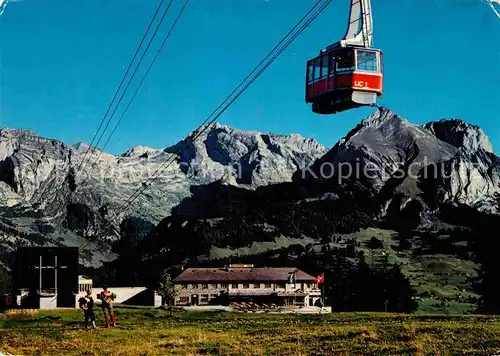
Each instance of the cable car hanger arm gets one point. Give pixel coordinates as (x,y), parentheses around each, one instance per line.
(360,27)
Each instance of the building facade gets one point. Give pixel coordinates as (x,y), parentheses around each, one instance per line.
(223,286)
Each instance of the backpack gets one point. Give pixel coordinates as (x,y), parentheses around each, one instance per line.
(111,296)
(83,303)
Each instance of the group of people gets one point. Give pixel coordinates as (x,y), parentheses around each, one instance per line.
(87,304)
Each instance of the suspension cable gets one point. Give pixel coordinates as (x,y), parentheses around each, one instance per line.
(45,191)
(141,82)
(165,12)
(204,127)
(149,68)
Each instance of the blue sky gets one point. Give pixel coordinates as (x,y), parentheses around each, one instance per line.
(62,60)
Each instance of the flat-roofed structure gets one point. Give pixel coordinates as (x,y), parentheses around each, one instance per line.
(45,277)
(243,283)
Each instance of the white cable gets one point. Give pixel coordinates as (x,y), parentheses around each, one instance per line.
(490,3)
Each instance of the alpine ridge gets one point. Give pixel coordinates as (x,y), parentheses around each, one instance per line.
(39,182)
(446,161)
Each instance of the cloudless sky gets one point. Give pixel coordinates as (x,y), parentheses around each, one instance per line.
(62,61)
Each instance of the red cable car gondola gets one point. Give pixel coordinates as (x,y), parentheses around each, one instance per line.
(349,73)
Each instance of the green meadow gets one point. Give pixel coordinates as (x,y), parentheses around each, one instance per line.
(146,331)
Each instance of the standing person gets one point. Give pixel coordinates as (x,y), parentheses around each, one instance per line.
(107,299)
(87,304)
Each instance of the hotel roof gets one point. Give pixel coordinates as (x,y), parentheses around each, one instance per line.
(280,274)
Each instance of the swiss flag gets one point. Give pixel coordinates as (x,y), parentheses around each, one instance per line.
(320,279)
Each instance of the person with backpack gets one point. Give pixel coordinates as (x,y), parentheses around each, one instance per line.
(107,299)
(87,304)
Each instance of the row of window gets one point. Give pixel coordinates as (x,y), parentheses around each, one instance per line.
(236,286)
(257,285)
(342,61)
(204,286)
(203,298)
(84,287)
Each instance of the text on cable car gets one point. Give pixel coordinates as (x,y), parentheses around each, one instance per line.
(360,84)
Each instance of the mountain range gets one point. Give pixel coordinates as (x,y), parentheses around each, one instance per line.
(82,191)
(237,195)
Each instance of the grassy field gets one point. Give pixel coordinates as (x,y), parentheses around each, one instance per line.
(144,331)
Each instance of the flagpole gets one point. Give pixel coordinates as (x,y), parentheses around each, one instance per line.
(321,280)
(323,293)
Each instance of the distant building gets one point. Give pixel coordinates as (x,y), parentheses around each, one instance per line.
(45,277)
(84,284)
(239,283)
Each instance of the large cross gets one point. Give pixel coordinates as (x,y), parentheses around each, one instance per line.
(55,267)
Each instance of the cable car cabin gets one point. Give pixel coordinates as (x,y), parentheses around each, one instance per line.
(344,78)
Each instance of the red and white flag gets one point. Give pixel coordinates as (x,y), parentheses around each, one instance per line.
(320,279)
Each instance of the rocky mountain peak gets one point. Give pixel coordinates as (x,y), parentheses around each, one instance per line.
(395,157)
(382,116)
(81,147)
(139,151)
(16,133)
(245,157)
(460,134)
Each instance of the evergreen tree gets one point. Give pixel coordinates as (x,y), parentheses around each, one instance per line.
(166,287)
(486,249)
(374,243)
(400,295)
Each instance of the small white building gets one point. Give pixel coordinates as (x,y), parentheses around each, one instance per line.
(84,284)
